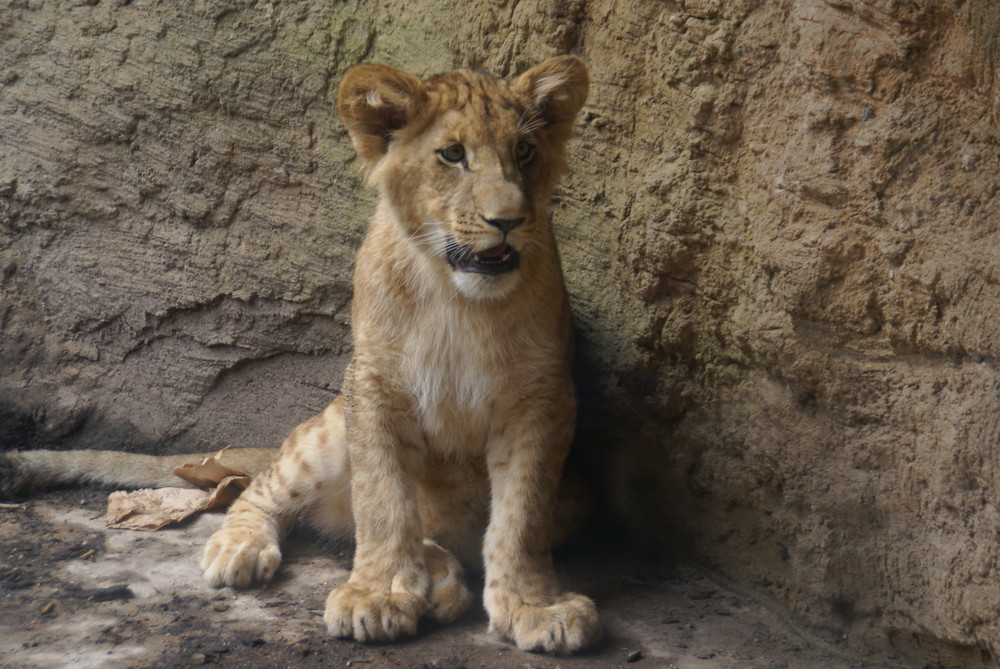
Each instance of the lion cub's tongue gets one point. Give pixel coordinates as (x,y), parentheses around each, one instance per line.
(494,252)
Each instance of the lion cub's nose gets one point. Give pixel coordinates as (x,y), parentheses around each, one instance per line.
(505,225)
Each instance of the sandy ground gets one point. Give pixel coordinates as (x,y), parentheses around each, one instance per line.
(74,594)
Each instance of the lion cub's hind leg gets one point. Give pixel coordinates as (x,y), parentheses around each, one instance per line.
(448,597)
(310,478)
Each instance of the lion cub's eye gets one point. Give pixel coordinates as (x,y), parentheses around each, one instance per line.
(524,152)
(453,154)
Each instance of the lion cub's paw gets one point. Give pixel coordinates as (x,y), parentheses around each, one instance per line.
(355,612)
(568,625)
(448,597)
(239,557)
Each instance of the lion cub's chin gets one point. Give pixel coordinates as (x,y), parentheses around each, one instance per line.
(486,286)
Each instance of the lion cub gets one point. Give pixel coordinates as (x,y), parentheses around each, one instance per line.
(457,408)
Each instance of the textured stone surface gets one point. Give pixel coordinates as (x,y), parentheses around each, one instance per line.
(780,237)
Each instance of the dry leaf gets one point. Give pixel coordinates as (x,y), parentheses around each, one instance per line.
(209,472)
(151,509)
(226,492)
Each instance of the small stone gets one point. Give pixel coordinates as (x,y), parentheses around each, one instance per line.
(633,656)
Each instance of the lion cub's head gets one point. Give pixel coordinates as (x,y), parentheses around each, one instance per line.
(466,161)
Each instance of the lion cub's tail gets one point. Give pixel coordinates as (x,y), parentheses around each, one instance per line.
(25,472)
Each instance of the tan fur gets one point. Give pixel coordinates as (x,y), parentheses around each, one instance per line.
(23,472)
(458,408)
(458,405)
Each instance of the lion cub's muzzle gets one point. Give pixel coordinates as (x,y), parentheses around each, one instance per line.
(495,260)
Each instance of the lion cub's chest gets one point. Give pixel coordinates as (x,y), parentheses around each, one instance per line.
(454,374)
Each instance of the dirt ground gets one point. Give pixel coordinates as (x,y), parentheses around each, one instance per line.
(74,594)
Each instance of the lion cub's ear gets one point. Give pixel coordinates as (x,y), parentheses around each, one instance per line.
(374,101)
(557,88)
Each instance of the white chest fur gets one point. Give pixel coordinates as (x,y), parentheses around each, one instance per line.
(454,369)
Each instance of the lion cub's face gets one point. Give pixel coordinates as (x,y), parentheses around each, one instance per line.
(473,208)
(467,162)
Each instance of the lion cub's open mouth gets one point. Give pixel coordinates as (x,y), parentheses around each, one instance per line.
(495,260)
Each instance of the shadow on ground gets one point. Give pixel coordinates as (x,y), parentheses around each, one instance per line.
(73,593)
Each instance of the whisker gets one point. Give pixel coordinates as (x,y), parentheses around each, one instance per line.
(529,124)
(420,239)
(433,237)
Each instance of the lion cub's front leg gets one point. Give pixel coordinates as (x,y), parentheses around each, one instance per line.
(311,474)
(522,595)
(398,576)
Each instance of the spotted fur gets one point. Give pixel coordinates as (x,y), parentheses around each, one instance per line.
(457,408)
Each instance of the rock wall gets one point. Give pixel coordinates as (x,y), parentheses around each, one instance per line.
(780,237)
